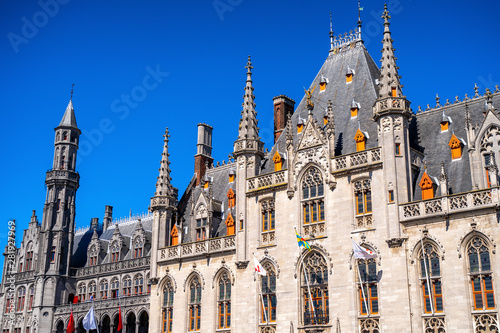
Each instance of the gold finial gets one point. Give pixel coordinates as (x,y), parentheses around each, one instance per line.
(310,104)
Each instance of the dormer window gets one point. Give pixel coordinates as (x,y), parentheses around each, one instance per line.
(360,139)
(300,126)
(322,83)
(349,75)
(456,147)
(231,198)
(138,247)
(427,187)
(230,225)
(232,175)
(115,252)
(445,123)
(278,161)
(174,236)
(354,109)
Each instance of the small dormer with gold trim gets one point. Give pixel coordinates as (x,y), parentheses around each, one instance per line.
(231,198)
(445,123)
(174,236)
(427,186)
(278,161)
(456,145)
(230,226)
(360,137)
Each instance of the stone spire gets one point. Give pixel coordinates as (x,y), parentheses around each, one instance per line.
(69,119)
(389,77)
(163,185)
(330,125)
(248,123)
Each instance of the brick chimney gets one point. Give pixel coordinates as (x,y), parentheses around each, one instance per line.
(283,105)
(108,217)
(203,151)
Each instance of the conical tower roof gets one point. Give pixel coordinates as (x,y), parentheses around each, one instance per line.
(248,124)
(389,77)
(69,119)
(163,185)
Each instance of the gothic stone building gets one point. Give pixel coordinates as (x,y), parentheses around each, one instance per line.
(58,269)
(351,161)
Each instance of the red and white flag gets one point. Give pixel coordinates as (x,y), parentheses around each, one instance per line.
(258,267)
(361,252)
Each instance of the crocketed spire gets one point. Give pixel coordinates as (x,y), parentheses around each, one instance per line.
(389,77)
(163,185)
(69,119)
(248,123)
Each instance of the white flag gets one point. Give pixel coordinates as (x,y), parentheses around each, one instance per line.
(361,252)
(89,320)
(258,267)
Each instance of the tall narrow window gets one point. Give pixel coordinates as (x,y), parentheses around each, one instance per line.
(31,296)
(201,229)
(104,289)
(268,221)
(21,296)
(167,307)
(480,274)
(194,306)
(313,204)
(368,287)
(53,254)
(363,201)
(127,286)
(138,247)
(268,297)
(29,260)
(138,285)
(224,302)
(82,291)
(115,288)
(430,279)
(92,290)
(93,256)
(314,289)
(115,252)
(487,162)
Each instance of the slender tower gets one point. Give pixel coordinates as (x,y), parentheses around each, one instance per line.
(248,152)
(162,205)
(58,223)
(392,112)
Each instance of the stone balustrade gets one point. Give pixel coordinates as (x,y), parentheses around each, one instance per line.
(449,204)
(114,266)
(55,174)
(200,248)
(24,276)
(267,181)
(104,304)
(357,160)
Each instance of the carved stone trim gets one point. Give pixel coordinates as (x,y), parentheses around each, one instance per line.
(474,231)
(242,264)
(193,273)
(416,246)
(305,252)
(396,242)
(223,268)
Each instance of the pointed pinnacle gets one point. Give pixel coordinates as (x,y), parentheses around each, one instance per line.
(385,15)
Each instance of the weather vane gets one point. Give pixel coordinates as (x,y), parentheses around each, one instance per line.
(72,91)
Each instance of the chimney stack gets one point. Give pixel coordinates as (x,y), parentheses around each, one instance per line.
(94,223)
(108,217)
(203,151)
(283,106)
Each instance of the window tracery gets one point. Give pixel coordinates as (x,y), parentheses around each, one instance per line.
(480,274)
(268,221)
(194,304)
(363,196)
(313,203)
(167,307)
(268,295)
(314,285)
(224,301)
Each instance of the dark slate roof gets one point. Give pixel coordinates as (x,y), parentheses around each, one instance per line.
(127,229)
(426,136)
(219,177)
(363,90)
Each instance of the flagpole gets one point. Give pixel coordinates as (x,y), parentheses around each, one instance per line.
(262,300)
(363,291)
(431,299)
(308,288)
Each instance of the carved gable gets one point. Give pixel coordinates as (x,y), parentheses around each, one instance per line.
(310,136)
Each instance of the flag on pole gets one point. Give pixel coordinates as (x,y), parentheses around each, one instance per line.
(71,324)
(361,252)
(89,320)
(302,242)
(258,267)
(120,325)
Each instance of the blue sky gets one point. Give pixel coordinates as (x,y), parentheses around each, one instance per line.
(198,50)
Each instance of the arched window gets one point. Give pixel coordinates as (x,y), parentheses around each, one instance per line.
(104,289)
(314,285)
(20,268)
(430,279)
(93,256)
(138,243)
(115,252)
(29,257)
(268,295)
(9,304)
(367,287)
(268,222)
(201,222)
(167,307)
(127,286)
(21,296)
(92,290)
(224,301)
(313,204)
(82,291)
(194,304)
(363,196)
(31,296)
(115,288)
(138,284)
(480,274)
(65,136)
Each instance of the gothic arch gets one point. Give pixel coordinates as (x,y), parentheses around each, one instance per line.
(304,253)
(190,276)
(472,233)
(370,246)
(273,262)
(300,176)
(416,247)
(217,274)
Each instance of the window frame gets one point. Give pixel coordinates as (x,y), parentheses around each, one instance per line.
(479,245)
(314,262)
